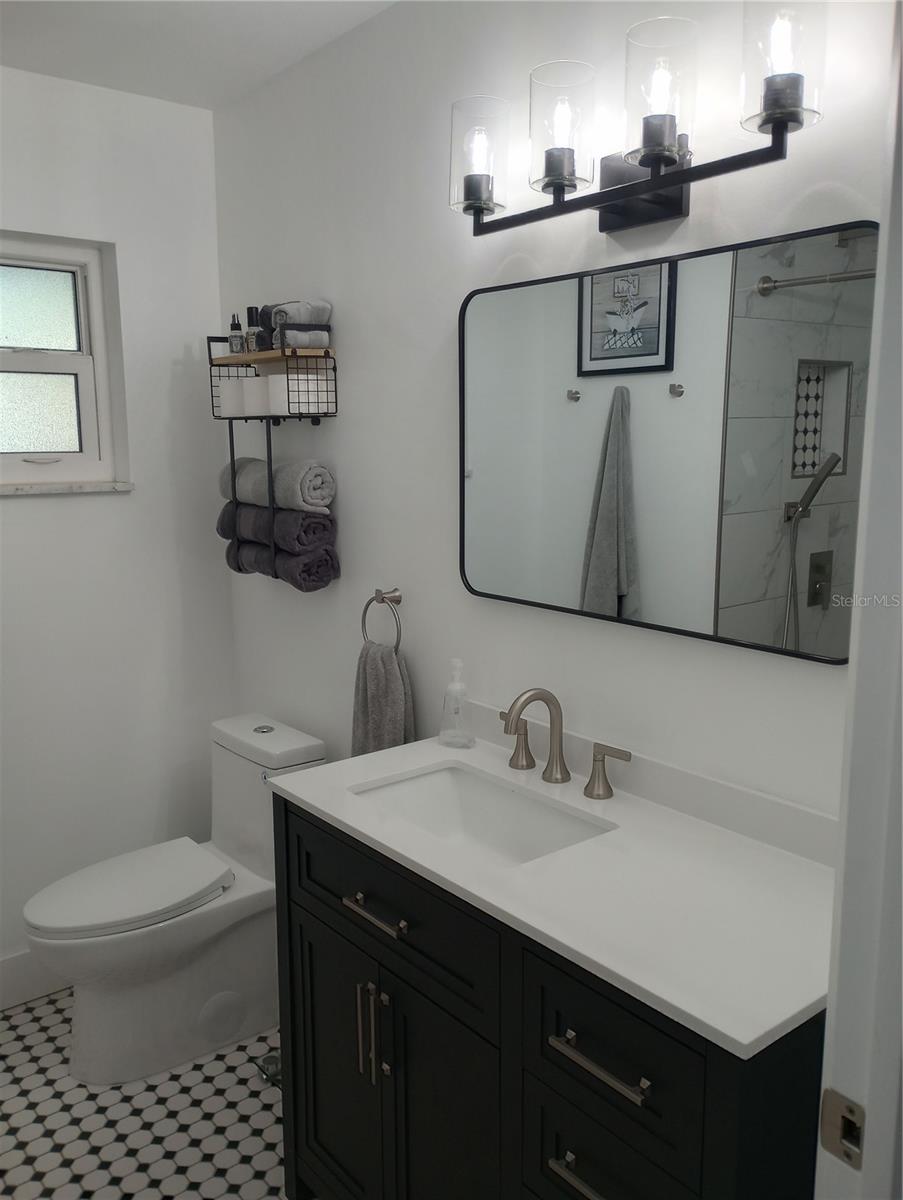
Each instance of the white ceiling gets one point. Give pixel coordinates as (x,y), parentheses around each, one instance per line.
(201,52)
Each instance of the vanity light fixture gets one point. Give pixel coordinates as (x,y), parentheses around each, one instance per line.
(783,53)
(479,155)
(561,101)
(660,96)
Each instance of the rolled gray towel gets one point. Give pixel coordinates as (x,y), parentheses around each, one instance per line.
(295,532)
(234,561)
(308,572)
(301,486)
(297,339)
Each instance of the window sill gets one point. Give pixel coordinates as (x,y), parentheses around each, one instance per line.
(63,489)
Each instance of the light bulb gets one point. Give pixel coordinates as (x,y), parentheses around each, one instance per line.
(563,123)
(659,97)
(781,45)
(477,149)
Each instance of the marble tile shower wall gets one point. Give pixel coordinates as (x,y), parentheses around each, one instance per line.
(770,335)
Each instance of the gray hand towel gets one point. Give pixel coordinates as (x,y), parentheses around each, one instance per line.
(609,585)
(383,701)
(301,486)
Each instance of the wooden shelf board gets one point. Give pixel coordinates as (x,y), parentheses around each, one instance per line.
(267,356)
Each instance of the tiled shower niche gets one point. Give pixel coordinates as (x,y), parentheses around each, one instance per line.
(822,423)
(797,381)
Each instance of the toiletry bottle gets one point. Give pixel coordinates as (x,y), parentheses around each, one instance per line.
(456,730)
(236,337)
(254,335)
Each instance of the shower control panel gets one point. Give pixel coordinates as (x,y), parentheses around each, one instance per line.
(821,568)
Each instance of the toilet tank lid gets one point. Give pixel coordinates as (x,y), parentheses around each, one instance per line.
(267,743)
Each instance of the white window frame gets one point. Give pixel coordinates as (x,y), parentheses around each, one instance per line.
(94,467)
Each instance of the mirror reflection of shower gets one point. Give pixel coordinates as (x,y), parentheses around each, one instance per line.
(795,405)
(791,636)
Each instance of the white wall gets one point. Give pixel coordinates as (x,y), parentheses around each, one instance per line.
(115,623)
(534,454)
(332,180)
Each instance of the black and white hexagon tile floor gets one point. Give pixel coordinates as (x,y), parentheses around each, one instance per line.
(210,1128)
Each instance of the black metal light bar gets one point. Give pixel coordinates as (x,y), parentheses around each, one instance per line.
(656,195)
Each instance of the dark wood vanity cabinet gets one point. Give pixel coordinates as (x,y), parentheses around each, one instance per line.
(431,1053)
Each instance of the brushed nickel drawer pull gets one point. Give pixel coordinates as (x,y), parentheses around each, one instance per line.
(567,1046)
(564,1169)
(357,904)
(371,989)
(359,990)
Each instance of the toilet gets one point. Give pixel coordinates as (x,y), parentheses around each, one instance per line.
(171,949)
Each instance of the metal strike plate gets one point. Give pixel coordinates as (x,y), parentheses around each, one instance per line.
(842,1128)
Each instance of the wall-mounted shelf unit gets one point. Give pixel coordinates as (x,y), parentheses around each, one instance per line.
(310,376)
(311,393)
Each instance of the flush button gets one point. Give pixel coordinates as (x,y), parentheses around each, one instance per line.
(264,728)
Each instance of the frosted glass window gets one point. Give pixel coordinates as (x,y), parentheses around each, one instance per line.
(39,413)
(38,309)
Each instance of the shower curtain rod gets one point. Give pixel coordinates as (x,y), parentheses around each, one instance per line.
(767,285)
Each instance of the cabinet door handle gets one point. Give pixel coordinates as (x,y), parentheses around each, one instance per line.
(567,1046)
(564,1169)
(371,990)
(357,904)
(359,1004)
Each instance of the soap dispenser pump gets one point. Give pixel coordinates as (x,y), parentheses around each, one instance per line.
(456,730)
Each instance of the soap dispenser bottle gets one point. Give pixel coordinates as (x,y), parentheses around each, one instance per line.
(456,730)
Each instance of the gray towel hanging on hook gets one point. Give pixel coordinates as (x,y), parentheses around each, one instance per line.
(609,585)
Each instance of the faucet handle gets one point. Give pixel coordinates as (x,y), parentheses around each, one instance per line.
(598,786)
(522,759)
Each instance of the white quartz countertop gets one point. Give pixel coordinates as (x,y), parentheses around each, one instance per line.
(726,935)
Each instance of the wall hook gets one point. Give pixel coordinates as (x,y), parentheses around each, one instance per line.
(573,394)
(676,389)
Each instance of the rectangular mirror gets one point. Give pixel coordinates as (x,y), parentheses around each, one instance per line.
(675,443)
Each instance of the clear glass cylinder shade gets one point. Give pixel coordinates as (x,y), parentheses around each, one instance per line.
(562,98)
(660,96)
(478,168)
(783,65)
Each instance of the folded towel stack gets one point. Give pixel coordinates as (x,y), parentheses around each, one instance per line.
(299,324)
(302,527)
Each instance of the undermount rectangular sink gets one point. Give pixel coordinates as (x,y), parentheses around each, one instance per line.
(472,810)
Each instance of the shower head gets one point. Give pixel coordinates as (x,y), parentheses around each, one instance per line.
(817,483)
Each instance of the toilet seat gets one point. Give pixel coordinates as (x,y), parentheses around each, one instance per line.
(133,890)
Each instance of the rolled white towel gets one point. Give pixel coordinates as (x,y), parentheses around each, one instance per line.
(302,486)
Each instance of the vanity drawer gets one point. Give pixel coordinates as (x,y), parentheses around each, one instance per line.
(645,1086)
(567,1156)
(453,950)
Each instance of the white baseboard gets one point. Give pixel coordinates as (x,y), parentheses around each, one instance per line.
(23,978)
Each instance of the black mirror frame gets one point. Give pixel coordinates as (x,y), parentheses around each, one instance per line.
(675,258)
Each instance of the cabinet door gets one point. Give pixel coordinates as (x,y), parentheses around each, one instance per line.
(441,1114)
(338,1131)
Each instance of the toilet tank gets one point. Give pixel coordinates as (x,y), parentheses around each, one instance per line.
(245,751)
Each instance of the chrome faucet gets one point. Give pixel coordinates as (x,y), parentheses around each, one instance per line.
(556,768)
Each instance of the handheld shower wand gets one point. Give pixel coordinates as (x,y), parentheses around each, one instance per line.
(792,609)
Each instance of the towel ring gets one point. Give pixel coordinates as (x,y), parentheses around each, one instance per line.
(393,599)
